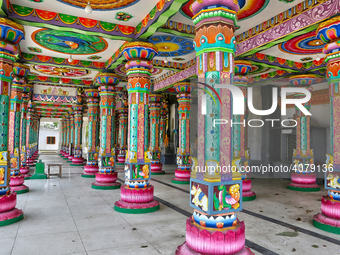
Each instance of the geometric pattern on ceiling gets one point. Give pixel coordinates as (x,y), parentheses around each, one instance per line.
(305,44)
(101,5)
(172,46)
(69,42)
(60,71)
(248,8)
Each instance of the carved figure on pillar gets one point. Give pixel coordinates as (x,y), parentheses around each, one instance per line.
(71,141)
(106,178)
(137,193)
(91,167)
(215,184)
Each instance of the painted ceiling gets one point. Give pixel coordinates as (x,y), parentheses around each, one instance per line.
(67,47)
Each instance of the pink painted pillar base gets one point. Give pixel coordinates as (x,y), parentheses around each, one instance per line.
(137,200)
(329,219)
(156,169)
(90,171)
(24,171)
(17,184)
(121,159)
(77,160)
(8,213)
(247,194)
(303,182)
(214,242)
(181,177)
(106,181)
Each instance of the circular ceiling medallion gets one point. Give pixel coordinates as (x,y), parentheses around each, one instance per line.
(59,71)
(122,70)
(101,5)
(69,42)
(248,8)
(172,46)
(303,45)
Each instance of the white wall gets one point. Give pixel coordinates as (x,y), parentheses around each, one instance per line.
(44,133)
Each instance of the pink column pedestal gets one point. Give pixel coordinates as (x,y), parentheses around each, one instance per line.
(106,181)
(247,194)
(70,157)
(77,160)
(24,170)
(121,159)
(181,177)
(156,169)
(329,219)
(213,242)
(8,213)
(303,182)
(16,183)
(137,199)
(90,170)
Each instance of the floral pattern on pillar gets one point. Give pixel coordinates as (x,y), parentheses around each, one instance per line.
(137,193)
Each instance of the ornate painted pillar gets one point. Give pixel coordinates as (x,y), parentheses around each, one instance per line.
(71,141)
(182,173)
(215,183)
(106,178)
(29,133)
(241,153)
(163,125)
(17,180)
(329,219)
(24,168)
(123,130)
(67,136)
(77,159)
(303,176)
(155,107)
(117,134)
(137,193)
(63,135)
(11,35)
(91,167)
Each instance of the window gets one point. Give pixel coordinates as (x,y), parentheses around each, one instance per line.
(50,140)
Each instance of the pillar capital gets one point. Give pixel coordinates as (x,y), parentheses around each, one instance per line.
(202,5)
(109,79)
(139,51)
(303,80)
(20,70)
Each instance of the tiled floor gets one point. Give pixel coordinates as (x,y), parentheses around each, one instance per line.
(67,216)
